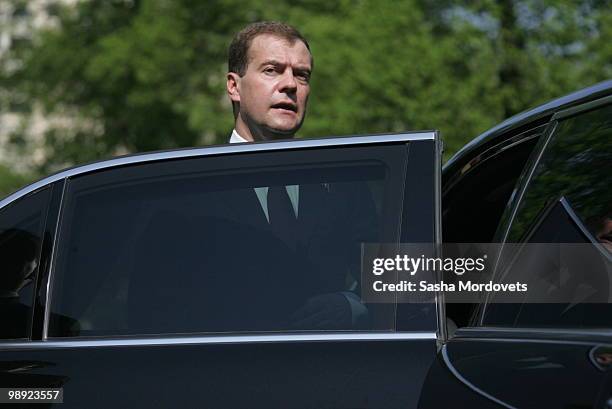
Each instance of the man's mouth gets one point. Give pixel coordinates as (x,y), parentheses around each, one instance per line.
(286,106)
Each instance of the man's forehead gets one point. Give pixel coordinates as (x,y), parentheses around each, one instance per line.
(270,47)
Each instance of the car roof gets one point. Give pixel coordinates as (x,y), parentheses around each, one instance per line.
(521,122)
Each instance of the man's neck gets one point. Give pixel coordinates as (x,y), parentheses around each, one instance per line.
(243,131)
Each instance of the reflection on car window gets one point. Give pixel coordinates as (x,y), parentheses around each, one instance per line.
(174,248)
(576,165)
(569,200)
(21,226)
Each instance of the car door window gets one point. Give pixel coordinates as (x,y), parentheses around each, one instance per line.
(568,201)
(190,246)
(21,227)
(474,201)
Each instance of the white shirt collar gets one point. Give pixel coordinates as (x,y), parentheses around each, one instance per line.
(235,138)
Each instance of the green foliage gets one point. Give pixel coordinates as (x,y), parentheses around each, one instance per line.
(11,181)
(150,74)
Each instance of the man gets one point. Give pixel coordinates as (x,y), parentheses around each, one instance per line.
(261,250)
(268,83)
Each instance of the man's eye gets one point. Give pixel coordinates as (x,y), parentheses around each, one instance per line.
(270,70)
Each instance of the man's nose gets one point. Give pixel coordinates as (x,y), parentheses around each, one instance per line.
(288,82)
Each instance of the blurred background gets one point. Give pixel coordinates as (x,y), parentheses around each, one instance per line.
(82,80)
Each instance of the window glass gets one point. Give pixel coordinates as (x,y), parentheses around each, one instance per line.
(475,200)
(21,225)
(576,165)
(568,200)
(244,243)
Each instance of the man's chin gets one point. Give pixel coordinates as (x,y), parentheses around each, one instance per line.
(281,132)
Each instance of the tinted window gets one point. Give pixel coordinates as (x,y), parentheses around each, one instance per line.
(190,245)
(576,165)
(474,200)
(21,226)
(568,200)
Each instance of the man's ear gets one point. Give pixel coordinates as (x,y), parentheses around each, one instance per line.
(233,86)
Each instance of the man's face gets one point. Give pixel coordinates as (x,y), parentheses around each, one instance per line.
(273,92)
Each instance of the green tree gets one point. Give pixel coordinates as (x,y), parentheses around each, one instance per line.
(11,181)
(149,74)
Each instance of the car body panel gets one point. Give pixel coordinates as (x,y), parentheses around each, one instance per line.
(278,373)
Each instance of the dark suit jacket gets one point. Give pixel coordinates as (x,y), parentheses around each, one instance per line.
(221,266)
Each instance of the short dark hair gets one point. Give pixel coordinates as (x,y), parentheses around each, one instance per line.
(239,48)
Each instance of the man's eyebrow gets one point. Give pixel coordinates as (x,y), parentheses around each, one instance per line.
(302,68)
(271,62)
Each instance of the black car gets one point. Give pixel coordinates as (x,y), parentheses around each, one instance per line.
(159,280)
(542,176)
